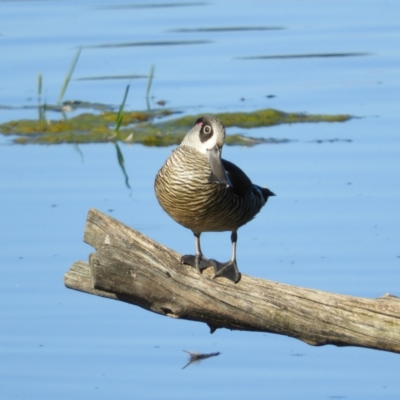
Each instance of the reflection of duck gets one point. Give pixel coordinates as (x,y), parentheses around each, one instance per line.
(205,193)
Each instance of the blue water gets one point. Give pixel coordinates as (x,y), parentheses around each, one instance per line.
(334,225)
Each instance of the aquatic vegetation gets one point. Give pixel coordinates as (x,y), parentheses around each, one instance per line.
(68,76)
(149,82)
(149,128)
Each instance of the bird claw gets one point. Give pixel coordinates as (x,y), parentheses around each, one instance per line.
(228,270)
(198,262)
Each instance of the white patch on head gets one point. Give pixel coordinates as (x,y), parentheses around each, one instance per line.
(197,136)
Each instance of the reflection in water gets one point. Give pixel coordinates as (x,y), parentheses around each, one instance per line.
(196,357)
(106,77)
(311,55)
(155,43)
(79,151)
(154,5)
(121,163)
(230,29)
(120,117)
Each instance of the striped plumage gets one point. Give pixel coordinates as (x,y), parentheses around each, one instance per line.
(205,193)
(185,193)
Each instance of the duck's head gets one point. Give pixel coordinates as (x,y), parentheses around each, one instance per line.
(206,133)
(207,136)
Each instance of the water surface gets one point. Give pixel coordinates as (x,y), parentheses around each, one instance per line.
(334,224)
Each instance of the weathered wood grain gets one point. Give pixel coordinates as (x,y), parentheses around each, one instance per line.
(131,267)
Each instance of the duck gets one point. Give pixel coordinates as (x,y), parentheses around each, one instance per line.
(203,192)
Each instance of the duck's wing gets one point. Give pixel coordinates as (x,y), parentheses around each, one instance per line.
(241,183)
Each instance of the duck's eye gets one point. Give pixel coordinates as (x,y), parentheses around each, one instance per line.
(207,129)
(206,133)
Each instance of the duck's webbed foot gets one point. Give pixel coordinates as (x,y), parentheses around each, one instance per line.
(228,270)
(199,262)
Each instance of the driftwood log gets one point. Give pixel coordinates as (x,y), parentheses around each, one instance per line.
(130,267)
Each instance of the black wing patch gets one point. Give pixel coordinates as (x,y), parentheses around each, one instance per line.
(241,183)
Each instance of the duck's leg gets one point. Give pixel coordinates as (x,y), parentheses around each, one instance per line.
(229,269)
(197,261)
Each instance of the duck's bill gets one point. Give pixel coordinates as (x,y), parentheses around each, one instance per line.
(218,173)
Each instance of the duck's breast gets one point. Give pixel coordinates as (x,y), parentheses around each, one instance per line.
(184,190)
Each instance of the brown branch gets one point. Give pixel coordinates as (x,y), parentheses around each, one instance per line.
(130,267)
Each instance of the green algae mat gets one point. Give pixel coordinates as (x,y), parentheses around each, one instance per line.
(150,128)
